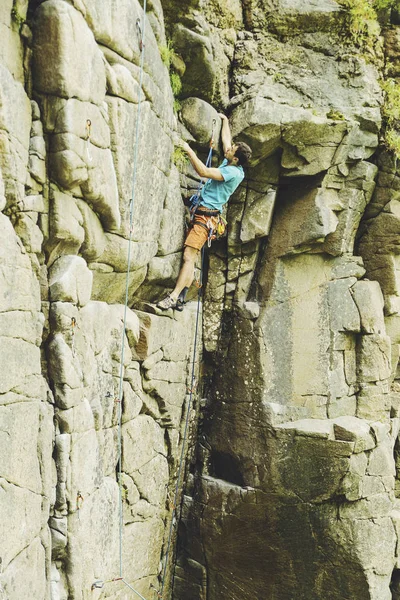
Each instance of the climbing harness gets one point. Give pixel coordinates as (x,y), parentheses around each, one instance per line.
(88,134)
(216,231)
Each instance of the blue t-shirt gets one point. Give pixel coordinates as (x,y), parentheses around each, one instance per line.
(216,193)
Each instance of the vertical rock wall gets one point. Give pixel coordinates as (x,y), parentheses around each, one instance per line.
(69,99)
(292,490)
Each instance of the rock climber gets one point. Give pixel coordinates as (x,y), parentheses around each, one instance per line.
(221,184)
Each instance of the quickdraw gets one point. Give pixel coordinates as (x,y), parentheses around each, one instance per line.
(153,587)
(140,35)
(170,501)
(88,134)
(99,585)
(73,329)
(198,278)
(79,504)
(193,388)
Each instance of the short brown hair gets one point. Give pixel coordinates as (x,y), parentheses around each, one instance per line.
(243,153)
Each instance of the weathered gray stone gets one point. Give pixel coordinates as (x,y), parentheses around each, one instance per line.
(94,242)
(355,430)
(373,402)
(201,120)
(310,142)
(31,561)
(257,217)
(93,538)
(344,315)
(374,357)
(313,428)
(197,47)
(70,280)
(56,71)
(20,360)
(109,286)
(11,48)
(67,233)
(15,125)
(22,510)
(368,297)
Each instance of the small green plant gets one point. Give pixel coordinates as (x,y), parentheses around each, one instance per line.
(335,115)
(177,105)
(362,21)
(382,4)
(392,141)
(168,56)
(176,84)
(391,115)
(179,158)
(391,107)
(166,53)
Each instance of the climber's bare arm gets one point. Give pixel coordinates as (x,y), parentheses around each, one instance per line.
(200,167)
(226,136)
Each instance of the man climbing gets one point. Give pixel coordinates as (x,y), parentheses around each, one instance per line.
(221,184)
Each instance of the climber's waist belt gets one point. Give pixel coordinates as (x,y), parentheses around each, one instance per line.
(207,212)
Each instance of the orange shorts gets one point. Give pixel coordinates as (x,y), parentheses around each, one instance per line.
(198,234)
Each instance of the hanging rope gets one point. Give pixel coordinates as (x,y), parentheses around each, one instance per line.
(141,32)
(100,584)
(191,391)
(118,400)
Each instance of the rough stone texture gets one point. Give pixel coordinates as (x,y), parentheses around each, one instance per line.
(291,484)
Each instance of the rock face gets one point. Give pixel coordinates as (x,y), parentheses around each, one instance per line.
(288,454)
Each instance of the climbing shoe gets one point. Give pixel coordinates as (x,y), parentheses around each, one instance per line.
(180,303)
(167,303)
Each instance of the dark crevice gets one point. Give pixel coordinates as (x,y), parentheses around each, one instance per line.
(395,584)
(226,467)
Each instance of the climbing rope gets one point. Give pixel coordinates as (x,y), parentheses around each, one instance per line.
(99,584)
(141,34)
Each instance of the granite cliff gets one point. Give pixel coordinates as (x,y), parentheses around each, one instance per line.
(290,488)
